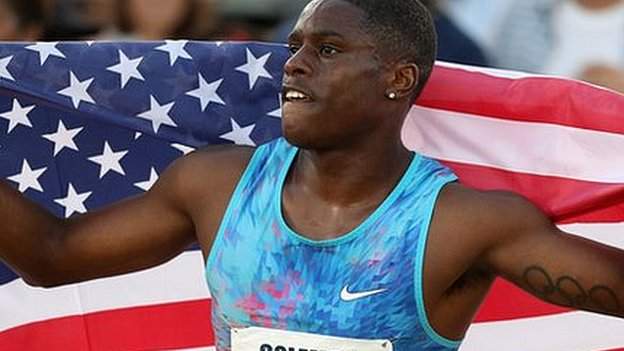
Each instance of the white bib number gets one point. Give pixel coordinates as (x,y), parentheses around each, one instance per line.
(262,339)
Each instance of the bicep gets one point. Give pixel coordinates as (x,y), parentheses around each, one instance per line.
(555,266)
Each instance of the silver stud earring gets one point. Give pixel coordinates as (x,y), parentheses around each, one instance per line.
(392,95)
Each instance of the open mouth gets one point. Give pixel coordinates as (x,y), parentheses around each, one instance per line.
(293,95)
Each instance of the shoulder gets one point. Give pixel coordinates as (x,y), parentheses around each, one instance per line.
(487,217)
(203,175)
(458,196)
(469,225)
(213,161)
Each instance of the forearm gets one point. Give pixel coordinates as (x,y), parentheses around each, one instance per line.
(27,234)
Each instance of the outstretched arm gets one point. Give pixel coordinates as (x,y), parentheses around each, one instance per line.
(523,246)
(131,235)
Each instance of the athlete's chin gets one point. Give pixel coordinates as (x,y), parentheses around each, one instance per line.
(303,137)
(297,129)
(298,138)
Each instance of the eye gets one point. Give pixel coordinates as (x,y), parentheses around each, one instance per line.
(328,51)
(292,49)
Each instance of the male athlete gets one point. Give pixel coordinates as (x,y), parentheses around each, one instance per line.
(335,237)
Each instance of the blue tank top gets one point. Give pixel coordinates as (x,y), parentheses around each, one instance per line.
(366,284)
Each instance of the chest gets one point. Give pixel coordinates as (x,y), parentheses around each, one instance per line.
(320,220)
(286,283)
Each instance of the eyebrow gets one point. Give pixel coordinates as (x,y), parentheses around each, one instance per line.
(317,34)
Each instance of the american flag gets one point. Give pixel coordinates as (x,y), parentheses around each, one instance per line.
(88,123)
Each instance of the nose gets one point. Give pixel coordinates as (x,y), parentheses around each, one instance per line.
(298,63)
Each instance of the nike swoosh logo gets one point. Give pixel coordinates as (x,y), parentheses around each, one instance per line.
(347,296)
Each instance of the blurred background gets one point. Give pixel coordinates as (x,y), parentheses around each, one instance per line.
(581,39)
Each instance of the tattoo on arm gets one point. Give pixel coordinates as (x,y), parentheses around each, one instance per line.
(567,291)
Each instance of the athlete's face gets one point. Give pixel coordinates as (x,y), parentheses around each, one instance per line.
(333,82)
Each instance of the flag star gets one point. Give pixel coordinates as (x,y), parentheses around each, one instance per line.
(77,90)
(109,161)
(18,115)
(28,179)
(74,202)
(240,136)
(175,48)
(137,135)
(45,50)
(278,112)
(207,92)
(127,68)
(148,184)
(158,114)
(183,148)
(254,68)
(63,138)
(4,68)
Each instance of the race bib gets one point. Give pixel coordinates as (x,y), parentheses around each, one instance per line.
(262,339)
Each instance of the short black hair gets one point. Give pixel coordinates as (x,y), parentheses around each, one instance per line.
(404,30)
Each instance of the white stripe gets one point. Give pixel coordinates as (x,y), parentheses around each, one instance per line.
(554,150)
(607,233)
(576,331)
(182,279)
(515,75)
(494,72)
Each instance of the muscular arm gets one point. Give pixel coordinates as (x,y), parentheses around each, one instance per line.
(131,235)
(513,239)
(555,266)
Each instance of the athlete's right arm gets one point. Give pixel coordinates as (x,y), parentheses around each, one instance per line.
(134,234)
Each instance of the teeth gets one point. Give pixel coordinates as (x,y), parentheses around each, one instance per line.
(295,95)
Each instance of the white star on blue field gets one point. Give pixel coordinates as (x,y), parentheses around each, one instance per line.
(101,121)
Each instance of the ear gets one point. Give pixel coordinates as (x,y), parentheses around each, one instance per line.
(405,79)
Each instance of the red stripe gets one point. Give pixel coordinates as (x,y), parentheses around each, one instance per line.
(505,301)
(187,324)
(533,99)
(158,327)
(62,334)
(564,200)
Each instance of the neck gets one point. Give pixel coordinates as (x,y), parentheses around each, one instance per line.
(352,175)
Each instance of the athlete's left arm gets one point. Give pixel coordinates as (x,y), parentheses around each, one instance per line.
(522,245)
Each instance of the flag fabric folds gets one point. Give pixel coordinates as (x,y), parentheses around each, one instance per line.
(85,124)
